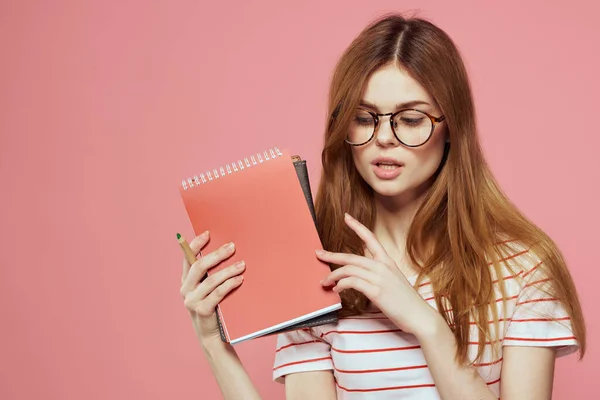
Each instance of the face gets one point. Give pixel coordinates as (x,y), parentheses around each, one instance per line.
(390,168)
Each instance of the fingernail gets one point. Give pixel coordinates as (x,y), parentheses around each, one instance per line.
(347,216)
(229,246)
(319,252)
(204,234)
(335,289)
(240,265)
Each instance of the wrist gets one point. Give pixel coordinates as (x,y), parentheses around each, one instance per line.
(432,329)
(214,346)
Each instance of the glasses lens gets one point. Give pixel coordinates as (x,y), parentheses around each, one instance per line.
(412,127)
(361,128)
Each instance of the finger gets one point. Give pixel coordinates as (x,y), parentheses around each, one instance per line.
(358,284)
(348,271)
(347,258)
(373,245)
(207,306)
(213,281)
(199,268)
(197,243)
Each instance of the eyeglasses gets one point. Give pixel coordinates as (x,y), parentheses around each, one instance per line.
(412,128)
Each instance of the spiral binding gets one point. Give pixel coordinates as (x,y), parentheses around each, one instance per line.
(231,168)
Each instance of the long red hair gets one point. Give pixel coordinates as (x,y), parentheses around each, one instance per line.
(457,229)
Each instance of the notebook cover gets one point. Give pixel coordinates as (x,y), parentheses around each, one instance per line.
(331,317)
(264,211)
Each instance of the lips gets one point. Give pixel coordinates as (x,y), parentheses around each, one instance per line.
(386,161)
(387,168)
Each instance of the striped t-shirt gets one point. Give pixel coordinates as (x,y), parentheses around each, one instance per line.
(371,358)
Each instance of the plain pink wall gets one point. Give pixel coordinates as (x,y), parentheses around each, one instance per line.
(106,106)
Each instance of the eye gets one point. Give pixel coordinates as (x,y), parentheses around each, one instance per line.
(411,119)
(363,118)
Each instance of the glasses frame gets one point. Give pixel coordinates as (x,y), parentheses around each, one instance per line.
(434,121)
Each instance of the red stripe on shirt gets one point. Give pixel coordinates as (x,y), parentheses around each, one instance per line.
(477,343)
(370,371)
(524,320)
(299,344)
(541,319)
(426,385)
(361,332)
(536,282)
(302,362)
(375,350)
(537,300)
(511,256)
(378,389)
(532,269)
(507,298)
(508,277)
(539,339)
(488,363)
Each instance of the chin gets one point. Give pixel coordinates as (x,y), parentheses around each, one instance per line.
(392,188)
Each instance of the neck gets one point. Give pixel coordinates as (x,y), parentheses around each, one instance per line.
(393,220)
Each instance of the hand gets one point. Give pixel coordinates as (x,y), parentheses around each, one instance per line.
(380,280)
(201,296)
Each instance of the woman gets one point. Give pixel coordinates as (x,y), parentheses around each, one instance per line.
(448,290)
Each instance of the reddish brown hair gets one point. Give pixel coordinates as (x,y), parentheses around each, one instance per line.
(458,227)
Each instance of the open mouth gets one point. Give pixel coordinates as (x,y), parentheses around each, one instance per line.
(390,166)
(387,168)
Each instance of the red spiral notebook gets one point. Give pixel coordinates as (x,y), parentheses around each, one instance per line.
(262,203)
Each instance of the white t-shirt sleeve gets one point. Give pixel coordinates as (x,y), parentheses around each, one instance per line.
(539,319)
(300,351)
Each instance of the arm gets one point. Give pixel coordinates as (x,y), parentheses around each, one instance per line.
(539,331)
(201,297)
(303,362)
(235,383)
(452,380)
(380,280)
(229,372)
(527,372)
(310,385)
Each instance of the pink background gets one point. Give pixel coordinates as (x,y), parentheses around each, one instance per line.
(106,106)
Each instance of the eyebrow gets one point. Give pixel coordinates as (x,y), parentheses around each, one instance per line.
(400,106)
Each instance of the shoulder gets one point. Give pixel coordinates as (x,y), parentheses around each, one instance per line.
(516,261)
(302,350)
(536,314)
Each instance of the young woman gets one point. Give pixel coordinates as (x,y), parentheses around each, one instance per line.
(448,290)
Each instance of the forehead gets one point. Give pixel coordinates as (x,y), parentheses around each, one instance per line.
(391,85)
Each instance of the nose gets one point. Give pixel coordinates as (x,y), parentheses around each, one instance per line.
(384,135)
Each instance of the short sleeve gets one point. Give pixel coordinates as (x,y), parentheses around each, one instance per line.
(301,351)
(539,319)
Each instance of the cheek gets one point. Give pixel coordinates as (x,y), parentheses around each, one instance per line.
(362,162)
(359,156)
(425,161)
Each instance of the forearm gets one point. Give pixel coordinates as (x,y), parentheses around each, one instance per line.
(229,371)
(452,380)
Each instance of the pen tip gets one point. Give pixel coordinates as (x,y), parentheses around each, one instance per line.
(178,236)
